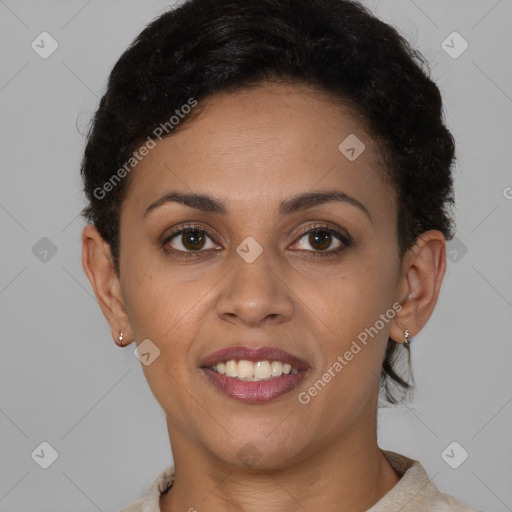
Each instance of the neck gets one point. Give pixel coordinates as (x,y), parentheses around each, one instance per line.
(350,474)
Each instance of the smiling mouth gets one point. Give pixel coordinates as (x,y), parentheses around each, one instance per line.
(253,371)
(254,375)
(249,388)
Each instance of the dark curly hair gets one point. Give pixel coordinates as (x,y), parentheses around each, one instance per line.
(336,46)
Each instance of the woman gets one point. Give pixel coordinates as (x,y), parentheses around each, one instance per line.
(269,195)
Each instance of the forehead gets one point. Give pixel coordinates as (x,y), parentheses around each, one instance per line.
(250,146)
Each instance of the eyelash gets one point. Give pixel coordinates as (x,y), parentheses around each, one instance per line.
(344,239)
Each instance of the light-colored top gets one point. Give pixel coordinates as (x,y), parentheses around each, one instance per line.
(413,493)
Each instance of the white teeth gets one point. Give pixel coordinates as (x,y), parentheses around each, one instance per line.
(247,370)
(277,368)
(231,368)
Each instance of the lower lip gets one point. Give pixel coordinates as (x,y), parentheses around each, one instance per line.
(254,391)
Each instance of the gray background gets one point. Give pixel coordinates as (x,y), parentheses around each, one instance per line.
(62,379)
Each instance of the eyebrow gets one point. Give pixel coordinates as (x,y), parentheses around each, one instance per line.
(289,206)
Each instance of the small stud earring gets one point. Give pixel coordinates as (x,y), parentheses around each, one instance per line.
(407,341)
(121,336)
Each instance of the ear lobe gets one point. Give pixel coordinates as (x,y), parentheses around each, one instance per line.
(98,266)
(423,269)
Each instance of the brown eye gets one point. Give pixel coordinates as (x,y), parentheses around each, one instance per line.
(188,240)
(324,241)
(192,240)
(320,240)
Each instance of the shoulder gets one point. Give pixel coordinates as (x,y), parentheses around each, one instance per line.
(446,503)
(150,502)
(415,492)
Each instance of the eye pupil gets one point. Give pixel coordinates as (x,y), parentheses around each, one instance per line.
(195,238)
(317,238)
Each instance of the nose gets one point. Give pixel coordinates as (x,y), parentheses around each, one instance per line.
(254,293)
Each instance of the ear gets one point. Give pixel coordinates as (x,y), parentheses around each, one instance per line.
(423,269)
(98,265)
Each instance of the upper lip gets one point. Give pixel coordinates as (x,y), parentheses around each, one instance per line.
(239,352)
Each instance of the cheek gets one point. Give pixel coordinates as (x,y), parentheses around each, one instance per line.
(157,294)
(167,312)
(359,293)
(358,311)
(167,305)
(164,308)
(360,335)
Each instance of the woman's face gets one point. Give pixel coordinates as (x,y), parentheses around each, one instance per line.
(310,295)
